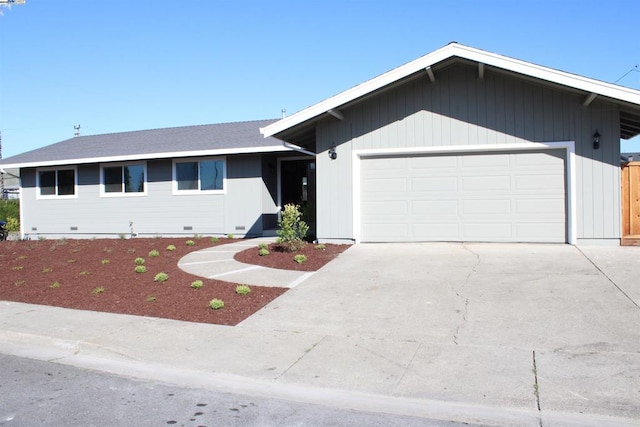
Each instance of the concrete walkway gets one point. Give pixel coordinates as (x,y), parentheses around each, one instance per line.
(218,263)
(485,334)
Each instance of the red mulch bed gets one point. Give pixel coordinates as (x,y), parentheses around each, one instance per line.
(279,258)
(81,267)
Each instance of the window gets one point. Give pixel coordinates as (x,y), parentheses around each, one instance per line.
(128,179)
(57,182)
(199,176)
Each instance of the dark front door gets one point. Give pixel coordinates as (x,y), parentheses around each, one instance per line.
(298,186)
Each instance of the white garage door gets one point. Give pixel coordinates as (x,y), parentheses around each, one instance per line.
(493,197)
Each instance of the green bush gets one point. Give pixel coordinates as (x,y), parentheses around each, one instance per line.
(292,229)
(214,239)
(10,213)
(300,258)
(216,304)
(154,253)
(189,243)
(98,290)
(161,277)
(139,261)
(263,246)
(263,252)
(141,269)
(13,224)
(197,284)
(171,248)
(242,289)
(321,247)
(230,236)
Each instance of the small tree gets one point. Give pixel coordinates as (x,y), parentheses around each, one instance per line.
(291,228)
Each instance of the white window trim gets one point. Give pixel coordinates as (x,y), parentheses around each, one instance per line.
(568,146)
(174,183)
(40,196)
(122,193)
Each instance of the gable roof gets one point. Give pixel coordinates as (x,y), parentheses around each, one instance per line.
(203,140)
(630,121)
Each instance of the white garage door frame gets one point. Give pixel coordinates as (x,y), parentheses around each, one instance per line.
(570,172)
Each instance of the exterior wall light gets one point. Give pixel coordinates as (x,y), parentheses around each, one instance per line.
(596,140)
(332,153)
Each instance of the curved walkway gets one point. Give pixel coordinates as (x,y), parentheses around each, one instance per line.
(218,263)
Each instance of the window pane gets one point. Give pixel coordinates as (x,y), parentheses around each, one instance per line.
(66,182)
(211,175)
(48,183)
(187,175)
(134,179)
(113,179)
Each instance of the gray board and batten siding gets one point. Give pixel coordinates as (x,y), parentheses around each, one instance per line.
(239,210)
(459,109)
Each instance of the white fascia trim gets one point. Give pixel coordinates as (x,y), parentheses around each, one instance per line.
(151,156)
(455,50)
(568,146)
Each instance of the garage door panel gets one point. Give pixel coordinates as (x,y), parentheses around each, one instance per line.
(472,161)
(517,196)
(486,207)
(434,207)
(486,183)
(487,232)
(440,184)
(443,231)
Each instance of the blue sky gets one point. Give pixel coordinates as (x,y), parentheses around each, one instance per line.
(119,66)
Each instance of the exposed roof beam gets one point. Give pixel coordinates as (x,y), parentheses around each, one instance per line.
(432,77)
(480,70)
(589,99)
(336,113)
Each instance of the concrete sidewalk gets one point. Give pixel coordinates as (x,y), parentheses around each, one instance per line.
(218,263)
(485,334)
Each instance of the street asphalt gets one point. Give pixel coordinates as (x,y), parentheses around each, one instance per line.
(496,334)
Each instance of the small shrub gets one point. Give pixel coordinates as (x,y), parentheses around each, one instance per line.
(22,257)
(42,238)
(197,284)
(18,267)
(98,290)
(55,285)
(263,252)
(151,298)
(13,224)
(230,236)
(72,261)
(197,236)
(216,304)
(139,261)
(19,283)
(242,289)
(154,253)
(122,236)
(189,243)
(47,270)
(300,258)
(140,269)
(105,261)
(171,248)
(161,277)
(85,273)
(263,246)
(214,239)
(291,228)
(321,247)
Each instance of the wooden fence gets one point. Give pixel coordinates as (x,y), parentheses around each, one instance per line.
(631,203)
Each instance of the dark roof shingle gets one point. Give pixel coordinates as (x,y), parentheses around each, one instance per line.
(223,137)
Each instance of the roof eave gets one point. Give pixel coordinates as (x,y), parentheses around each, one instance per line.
(451,50)
(148,156)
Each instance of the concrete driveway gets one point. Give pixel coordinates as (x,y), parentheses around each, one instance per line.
(538,327)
